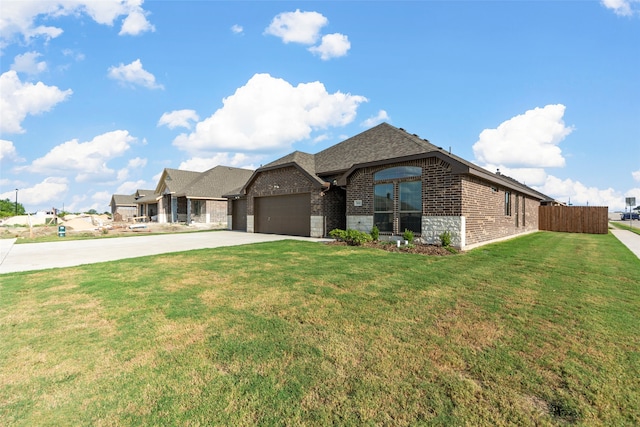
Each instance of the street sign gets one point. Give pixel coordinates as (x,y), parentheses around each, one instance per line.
(630,201)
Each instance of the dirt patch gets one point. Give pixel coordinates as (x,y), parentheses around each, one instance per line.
(410,249)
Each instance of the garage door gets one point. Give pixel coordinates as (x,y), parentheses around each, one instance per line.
(239,214)
(290,215)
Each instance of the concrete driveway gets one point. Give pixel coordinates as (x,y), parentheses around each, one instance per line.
(69,253)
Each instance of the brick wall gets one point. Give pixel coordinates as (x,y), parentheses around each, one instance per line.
(288,180)
(441,190)
(484,209)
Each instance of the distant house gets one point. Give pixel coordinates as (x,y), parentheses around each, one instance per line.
(197,197)
(391,179)
(147,202)
(123,207)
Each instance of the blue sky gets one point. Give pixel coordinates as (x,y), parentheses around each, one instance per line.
(98,98)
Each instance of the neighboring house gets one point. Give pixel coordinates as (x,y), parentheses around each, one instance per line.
(147,202)
(186,196)
(391,179)
(123,207)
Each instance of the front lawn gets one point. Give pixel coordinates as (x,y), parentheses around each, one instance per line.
(539,330)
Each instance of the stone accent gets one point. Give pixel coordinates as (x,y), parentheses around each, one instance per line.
(250,226)
(360,222)
(434,226)
(229,221)
(317,226)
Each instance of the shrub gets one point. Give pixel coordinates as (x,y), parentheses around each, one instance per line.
(375,233)
(408,235)
(351,237)
(445,239)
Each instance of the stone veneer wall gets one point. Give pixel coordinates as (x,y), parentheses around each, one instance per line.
(434,226)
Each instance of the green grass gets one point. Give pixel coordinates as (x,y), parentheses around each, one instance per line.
(539,330)
(624,226)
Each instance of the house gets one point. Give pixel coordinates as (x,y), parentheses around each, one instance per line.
(196,197)
(147,203)
(389,178)
(123,207)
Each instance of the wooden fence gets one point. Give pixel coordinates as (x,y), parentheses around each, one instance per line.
(574,219)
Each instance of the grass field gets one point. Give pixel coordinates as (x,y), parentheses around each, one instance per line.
(539,330)
(625,226)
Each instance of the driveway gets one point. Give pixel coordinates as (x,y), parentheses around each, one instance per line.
(70,253)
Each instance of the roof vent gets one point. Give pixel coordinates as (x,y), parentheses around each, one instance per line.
(498,171)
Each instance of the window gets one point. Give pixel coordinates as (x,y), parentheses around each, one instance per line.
(397,173)
(410,207)
(383,207)
(507,203)
(398,204)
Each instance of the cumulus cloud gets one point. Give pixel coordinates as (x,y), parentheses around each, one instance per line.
(28,63)
(136,23)
(134,74)
(332,46)
(88,160)
(18,99)
(382,116)
(269,114)
(20,18)
(48,193)
(130,187)
(8,152)
(529,139)
(579,194)
(136,163)
(636,175)
(178,118)
(297,27)
(201,164)
(237,29)
(620,7)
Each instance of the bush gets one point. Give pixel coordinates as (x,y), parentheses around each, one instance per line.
(408,235)
(445,239)
(351,237)
(375,233)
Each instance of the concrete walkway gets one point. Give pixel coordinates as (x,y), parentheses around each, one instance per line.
(40,256)
(629,239)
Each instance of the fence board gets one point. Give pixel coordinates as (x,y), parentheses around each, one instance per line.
(574,219)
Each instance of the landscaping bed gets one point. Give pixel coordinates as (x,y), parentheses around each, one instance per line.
(411,249)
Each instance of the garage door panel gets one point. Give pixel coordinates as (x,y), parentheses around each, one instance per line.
(290,214)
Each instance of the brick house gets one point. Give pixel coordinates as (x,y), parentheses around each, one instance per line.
(388,178)
(123,207)
(196,197)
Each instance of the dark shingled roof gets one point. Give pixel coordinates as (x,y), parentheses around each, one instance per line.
(124,199)
(176,180)
(216,182)
(378,143)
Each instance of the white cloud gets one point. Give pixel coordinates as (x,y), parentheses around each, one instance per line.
(297,27)
(134,74)
(528,176)
(28,63)
(19,18)
(579,194)
(136,23)
(237,29)
(18,99)
(137,163)
(86,159)
(530,139)
(48,193)
(382,116)
(636,175)
(201,164)
(332,46)
(620,7)
(8,152)
(131,187)
(182,118)
(269,114)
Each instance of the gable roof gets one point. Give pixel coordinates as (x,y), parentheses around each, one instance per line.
(378,143)
(175,180)
(215,182)
(123,200)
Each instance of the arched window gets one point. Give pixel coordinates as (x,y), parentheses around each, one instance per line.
(397,172)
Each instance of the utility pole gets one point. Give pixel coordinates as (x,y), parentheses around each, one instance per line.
(16,202)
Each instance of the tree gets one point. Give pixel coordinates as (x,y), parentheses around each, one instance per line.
(8,208)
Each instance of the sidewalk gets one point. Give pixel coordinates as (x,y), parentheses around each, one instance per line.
(629,239)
